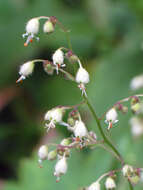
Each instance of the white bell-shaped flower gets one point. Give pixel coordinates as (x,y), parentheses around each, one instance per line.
(137,82)
(25,70)
(127,170)
(58,59)
(61,167)
(80,129)
(82,78)
(54,116)
(94,186)
(111,117)
(110,183)
(43,152)
(32,28)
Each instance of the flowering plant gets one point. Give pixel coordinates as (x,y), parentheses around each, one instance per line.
(81,137)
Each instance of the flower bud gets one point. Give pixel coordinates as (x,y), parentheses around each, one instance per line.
(79,129)
(110,183)
(71,57)
(48,27)
(60,168)
(25,70)
(136,108)
(111,117)
(137,82)
(53,117)
(82,76)
(43,152)
(136,126)
(52,155)
(65,142)
(94,186)
(32,26)
(48,68)
(134,179)
(127,170)
(71,121)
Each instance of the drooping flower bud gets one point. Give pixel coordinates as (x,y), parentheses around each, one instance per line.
(48,27)
(43,153)
(58,59)
(52,155)
(25,70)
(61,168)
(110,183)
(127,170)
(80,129)
(32,28)
(94,186)
(111,117)
(54,116)
(137,82)
(136,126)
(65,142)
(48,67)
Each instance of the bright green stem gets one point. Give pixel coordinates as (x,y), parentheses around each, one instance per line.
(107,141)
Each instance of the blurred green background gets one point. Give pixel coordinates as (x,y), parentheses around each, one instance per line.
(108,36)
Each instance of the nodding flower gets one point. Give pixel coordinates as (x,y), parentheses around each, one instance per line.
(82,77)
(43,153)
(60,168)
(58,59)
(32,28)
(53,117)
(111,117)
(25,70)
(110,183)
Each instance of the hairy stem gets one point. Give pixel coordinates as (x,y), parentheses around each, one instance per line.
(107,141)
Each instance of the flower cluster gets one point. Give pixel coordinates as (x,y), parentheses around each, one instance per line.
(80,136)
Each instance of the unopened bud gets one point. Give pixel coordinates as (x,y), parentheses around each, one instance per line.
(110,183)
(65,142)
(52,155)
(71,57)
(71,121)
(134,179)
(48,68)
(43,152)
(136,108)
(48,27)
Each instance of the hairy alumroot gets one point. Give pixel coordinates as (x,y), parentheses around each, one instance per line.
(110,183)
(58,59)
(111,117)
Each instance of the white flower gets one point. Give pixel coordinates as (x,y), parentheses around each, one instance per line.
(110,183)
(25,70)
(94,186)
(79,129)
(58,59)
(111,117)
(54,116)
(137,82)
(82,77)
(127,170)
(136,126)
(61,167)
(48,27)
(43,152)
(32,28)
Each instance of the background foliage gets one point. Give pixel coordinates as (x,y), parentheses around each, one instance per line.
(108,36)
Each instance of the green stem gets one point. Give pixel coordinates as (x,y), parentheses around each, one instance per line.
(130,185)
(107,141)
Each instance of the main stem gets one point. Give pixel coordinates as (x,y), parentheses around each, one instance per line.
(107,141)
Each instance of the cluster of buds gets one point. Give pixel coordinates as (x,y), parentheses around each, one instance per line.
(111,117)
(32,27)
